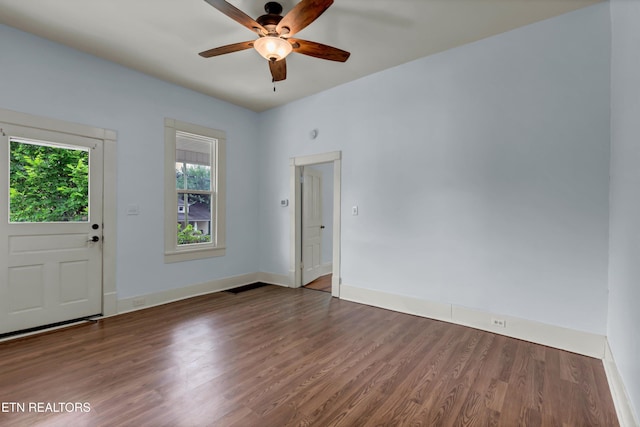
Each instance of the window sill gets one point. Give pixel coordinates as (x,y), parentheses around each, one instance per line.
(193,254)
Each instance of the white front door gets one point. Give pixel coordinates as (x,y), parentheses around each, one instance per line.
(311,225)
(50,227)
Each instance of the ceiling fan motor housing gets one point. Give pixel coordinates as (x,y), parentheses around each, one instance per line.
(273,7)
(272,17)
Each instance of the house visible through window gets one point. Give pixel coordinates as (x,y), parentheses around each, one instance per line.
(196,199)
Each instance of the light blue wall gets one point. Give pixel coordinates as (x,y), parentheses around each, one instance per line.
(624,268)
(481,173)
(46,79)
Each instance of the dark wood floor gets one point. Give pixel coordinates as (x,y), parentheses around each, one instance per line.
(322,283)
(274,356)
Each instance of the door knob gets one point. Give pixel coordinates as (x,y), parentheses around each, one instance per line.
(93,239)
(322,226)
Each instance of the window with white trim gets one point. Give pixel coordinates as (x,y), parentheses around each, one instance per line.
(194,191)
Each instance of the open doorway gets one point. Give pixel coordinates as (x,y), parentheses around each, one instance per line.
(315,220)
(317,226)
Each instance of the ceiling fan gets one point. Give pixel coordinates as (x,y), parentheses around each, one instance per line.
(274,30)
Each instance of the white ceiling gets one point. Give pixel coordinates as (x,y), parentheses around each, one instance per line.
(162,38)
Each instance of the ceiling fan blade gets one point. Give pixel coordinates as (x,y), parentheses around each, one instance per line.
(236,14)
(230,48)
(319,50)
(278,70)
(303,14)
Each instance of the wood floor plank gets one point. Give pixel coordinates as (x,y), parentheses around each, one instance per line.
(399,367)
(552,410)
(274,356)
(412,395)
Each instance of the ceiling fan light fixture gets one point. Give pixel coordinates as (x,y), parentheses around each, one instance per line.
(272,48)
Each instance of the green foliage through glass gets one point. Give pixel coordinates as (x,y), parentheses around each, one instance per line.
(48,184)
(187,235)
(193,177)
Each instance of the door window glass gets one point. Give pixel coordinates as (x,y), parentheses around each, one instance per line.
(48,182)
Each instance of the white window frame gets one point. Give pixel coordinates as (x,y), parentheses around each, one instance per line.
(172,251)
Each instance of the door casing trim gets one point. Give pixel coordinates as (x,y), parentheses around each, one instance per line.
(295,215)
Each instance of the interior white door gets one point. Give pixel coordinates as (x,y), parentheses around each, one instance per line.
(50,259)
(311,224)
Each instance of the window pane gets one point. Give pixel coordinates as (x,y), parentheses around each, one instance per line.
(198,177)
(48,183)
(194,219)
(193,177)
(193,161)
(180,176)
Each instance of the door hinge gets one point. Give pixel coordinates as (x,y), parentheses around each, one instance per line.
(301,265)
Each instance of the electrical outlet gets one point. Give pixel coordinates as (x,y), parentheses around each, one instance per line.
(138,302)
(500,323)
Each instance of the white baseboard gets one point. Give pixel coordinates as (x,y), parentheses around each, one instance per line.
(626,417)
(592,345)
(422,308)
(149,300)
(274,279)
(585,343)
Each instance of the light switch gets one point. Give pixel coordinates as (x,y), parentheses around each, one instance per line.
(354,211)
